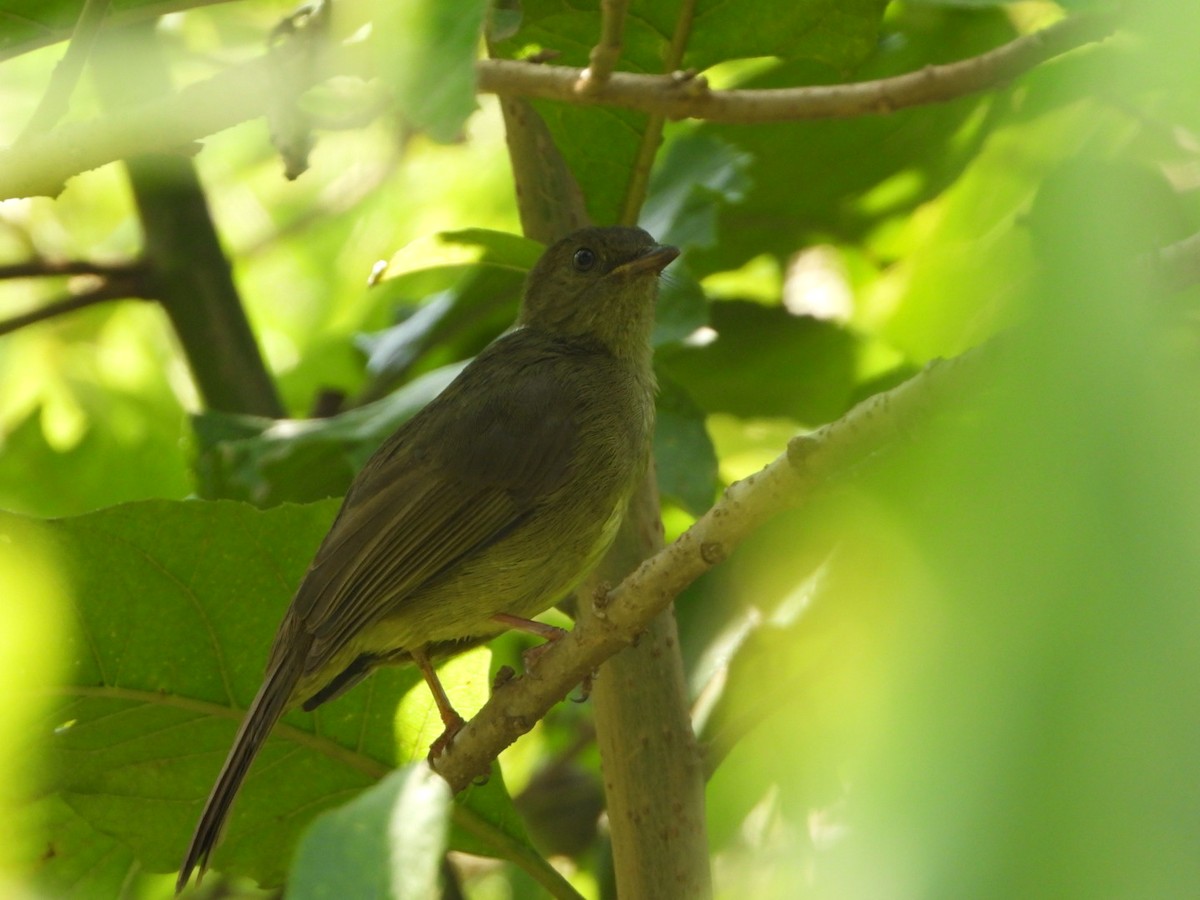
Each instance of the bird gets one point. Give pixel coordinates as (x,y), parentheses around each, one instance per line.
(484,509)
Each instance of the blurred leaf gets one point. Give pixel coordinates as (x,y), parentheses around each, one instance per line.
(425,51)
(964,261)
(1043,740)
(766,362)
(123,454)
(386,842)
(34,629)
(85,404)
(28,24)
(684,458)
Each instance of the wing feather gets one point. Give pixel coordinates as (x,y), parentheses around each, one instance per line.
(460,476)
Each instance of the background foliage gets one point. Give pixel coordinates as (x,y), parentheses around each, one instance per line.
(967,670)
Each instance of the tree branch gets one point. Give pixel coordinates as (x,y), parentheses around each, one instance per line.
(622,613)
(639,176)
(131,286)
(44,268)
(603,58)
(682,96)
(43,163)
(192,276)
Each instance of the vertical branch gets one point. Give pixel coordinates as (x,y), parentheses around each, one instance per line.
(639,178)
(549,200)
(653,777)
(603,58)
(190,273)
(653,772)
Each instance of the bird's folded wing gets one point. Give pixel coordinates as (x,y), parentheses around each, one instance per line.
(385,550)
(413,516)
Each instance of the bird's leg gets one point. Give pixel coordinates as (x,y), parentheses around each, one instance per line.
(451,719)
(530,626)
(533,654)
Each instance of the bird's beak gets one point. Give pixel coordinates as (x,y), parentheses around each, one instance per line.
(655,259)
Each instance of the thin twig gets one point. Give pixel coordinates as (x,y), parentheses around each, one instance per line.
(108,290)
(43,268)
(639,176)
(622,613)
(57,99)
(603,58)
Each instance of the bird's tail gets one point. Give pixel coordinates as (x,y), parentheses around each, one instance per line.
(268,706)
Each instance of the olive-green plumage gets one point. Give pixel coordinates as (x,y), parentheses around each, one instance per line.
(496,499)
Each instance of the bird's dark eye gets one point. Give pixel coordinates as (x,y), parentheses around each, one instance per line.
(583,259)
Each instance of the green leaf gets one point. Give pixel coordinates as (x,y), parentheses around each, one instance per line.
(78,859)
(176,604)
(684,457)
(28,24)
(839,179)
(470,282)
(387,842)
(682,307)
(425,52)
(764,361)
(697,175)
(839,33)
(175,607)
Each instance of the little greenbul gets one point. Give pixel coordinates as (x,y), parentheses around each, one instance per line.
(483,510)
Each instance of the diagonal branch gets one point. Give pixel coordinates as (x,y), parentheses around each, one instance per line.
(639,176)
(44,268)
(131,286)
(622,613)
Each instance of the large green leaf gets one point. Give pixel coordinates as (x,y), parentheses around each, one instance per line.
(684,458)
(175,605)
